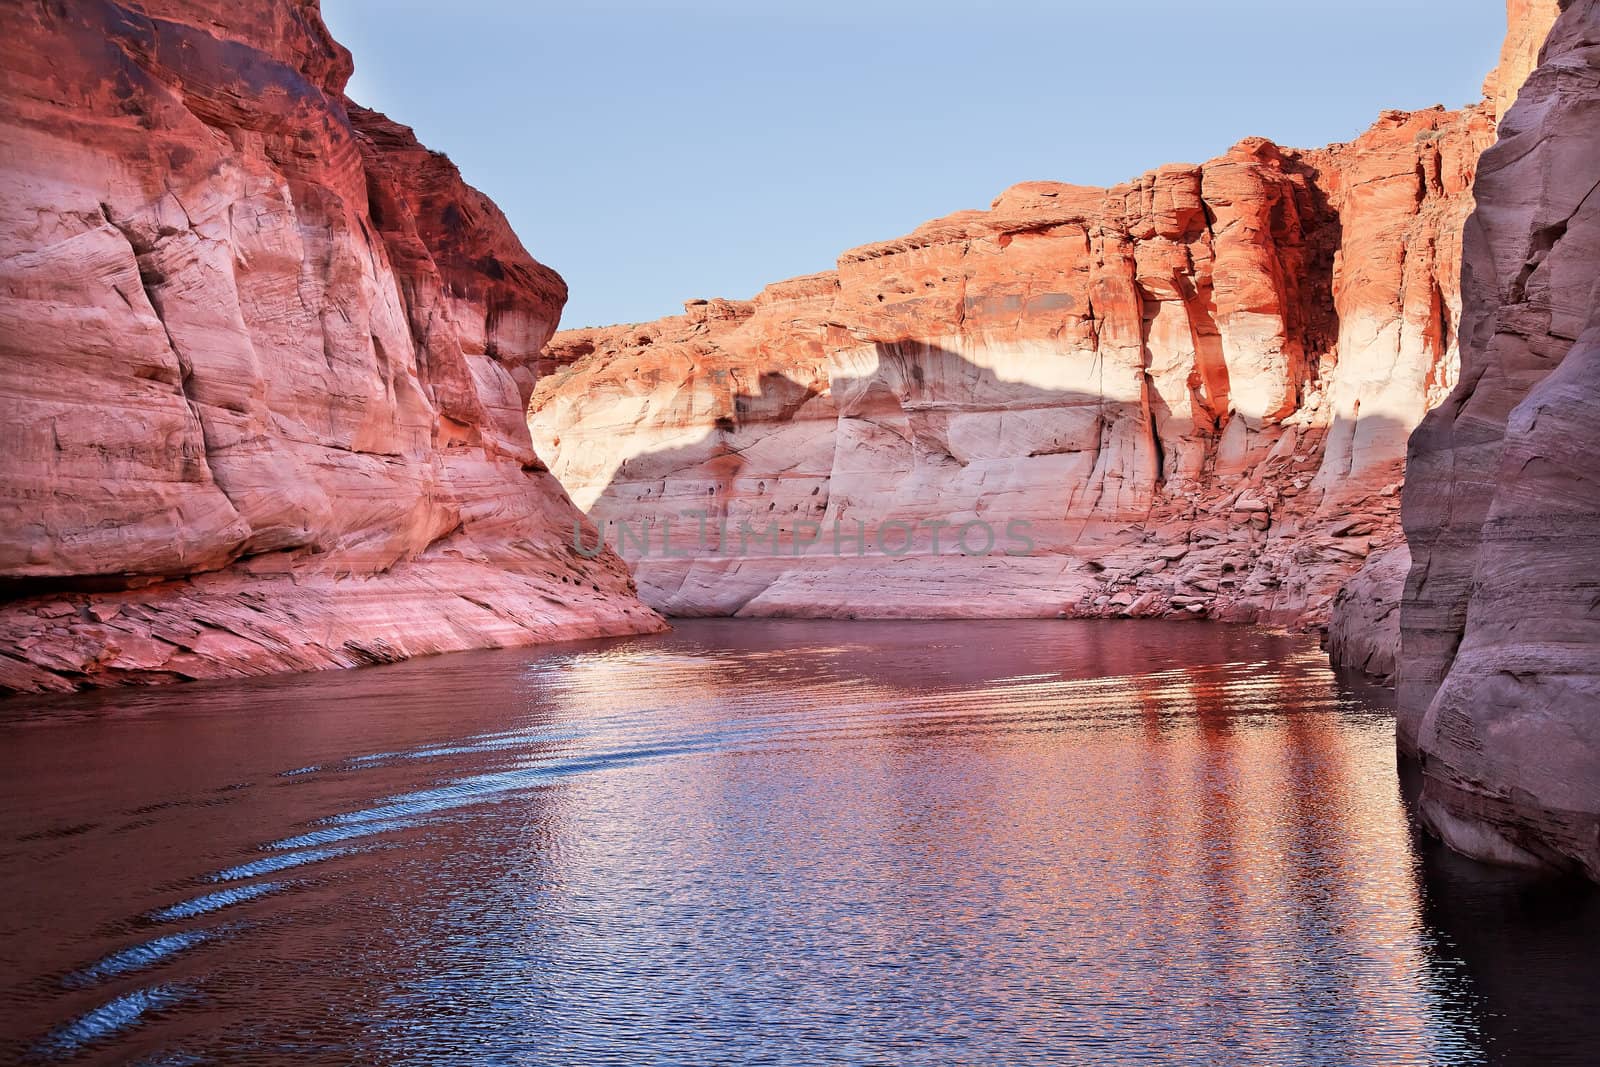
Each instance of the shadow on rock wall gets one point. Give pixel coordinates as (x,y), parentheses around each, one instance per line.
(924,483)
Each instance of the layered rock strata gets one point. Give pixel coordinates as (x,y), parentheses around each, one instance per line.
(1184,395)
(1528,22)
(1363,631)
(1500,665)
(263,366)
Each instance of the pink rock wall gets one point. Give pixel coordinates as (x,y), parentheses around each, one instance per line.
(1500,664)
(263,364)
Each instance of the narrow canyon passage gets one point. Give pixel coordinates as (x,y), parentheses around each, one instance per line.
(1154,621)
(784,841)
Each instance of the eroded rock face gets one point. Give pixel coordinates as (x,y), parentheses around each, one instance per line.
(1527,24)
(1192,391)
(1500,670)
(1364,627)
(263,364)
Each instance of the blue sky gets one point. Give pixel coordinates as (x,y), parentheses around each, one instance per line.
(654,153)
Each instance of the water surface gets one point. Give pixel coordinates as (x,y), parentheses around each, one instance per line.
(766,842)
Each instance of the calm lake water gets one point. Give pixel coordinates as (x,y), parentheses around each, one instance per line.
(766,842)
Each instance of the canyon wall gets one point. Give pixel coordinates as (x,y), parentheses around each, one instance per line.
(263,366)
(1528,22)
(1500,666)
(1190,393)
(1363,629)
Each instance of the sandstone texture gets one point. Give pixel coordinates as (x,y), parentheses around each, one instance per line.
(1499,677)
(1527,24)
(1192,391)
(263,366)
(1364,627)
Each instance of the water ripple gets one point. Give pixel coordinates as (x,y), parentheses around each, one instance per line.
(139,957)
(111,1018)
(210,902)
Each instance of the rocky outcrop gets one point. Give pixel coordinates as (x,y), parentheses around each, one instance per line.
(263,363)
(1186,395)
(1500,670)
(1527,24)
(1364,626)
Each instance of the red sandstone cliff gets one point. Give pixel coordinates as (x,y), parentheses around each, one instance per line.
(1194,388)
(1528,22)
(1500,662)
(263,364)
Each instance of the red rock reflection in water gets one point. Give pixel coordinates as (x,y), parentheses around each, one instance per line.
(808,842)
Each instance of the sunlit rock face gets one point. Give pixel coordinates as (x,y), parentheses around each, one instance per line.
(1527,24)
(263,366)
(1500,669)
(1185,395)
